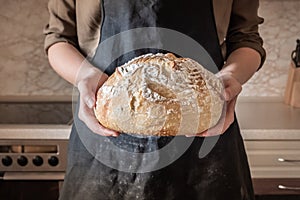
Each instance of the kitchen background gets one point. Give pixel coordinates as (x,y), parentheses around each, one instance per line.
(25,73)
(269,127)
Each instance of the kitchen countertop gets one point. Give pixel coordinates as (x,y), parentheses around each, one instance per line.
(268,119)
(267,115)
(259,120)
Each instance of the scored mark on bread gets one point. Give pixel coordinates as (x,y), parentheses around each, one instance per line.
(160,94)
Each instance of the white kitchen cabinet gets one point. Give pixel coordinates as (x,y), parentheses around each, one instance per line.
(274,166)
(274,159)
(271,133)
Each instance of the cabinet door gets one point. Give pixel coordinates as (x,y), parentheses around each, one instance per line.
(274,159)
(276,186)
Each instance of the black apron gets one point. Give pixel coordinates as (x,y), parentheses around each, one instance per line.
(222,174)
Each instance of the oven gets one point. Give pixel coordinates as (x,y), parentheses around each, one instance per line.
(33,149)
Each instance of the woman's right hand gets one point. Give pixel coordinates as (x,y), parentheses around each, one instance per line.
(89,80)
(70,64)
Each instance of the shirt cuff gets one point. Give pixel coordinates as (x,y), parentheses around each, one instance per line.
(251,45)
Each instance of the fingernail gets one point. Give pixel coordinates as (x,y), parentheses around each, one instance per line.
(90,103)
(189,136)
(226,96)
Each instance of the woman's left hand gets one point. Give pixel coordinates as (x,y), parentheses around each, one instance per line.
(232,88)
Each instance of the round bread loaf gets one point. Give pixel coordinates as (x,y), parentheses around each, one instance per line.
(160,94)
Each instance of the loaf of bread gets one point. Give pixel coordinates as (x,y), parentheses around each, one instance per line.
(160,94)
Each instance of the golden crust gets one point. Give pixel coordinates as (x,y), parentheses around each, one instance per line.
(160,94)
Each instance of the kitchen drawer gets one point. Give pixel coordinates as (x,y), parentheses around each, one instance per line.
(272,145)
(276,158)
(273,159)
(276,186)
(275,172)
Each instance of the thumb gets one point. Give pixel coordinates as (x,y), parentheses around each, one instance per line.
(227,94)
(87,95)
(232,91)
(89,100)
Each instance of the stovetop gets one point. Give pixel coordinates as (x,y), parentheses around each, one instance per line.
(34,138)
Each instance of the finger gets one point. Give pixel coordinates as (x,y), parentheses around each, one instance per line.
(215,130)
(97,128)
(88,117)
(202,134)
(87,95)
(89,98)
(210,132)
(231,86)
(232,90)
(191,135)
(90,101)
(231,106)
(224,123)
(229,115)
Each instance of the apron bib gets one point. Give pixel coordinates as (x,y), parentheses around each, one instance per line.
(222,174)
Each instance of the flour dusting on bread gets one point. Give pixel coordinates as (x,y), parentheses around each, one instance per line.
(160,94)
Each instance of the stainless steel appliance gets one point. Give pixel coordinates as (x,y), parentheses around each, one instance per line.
(33,152)
(33,148)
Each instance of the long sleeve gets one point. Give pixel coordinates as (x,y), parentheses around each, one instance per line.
(243,27)
(62,23)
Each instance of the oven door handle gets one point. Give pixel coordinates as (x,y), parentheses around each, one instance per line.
(57,176)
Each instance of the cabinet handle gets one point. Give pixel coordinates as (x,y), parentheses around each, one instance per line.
(282,187)
(288,160)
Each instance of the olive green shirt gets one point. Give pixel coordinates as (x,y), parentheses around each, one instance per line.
(79,23)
